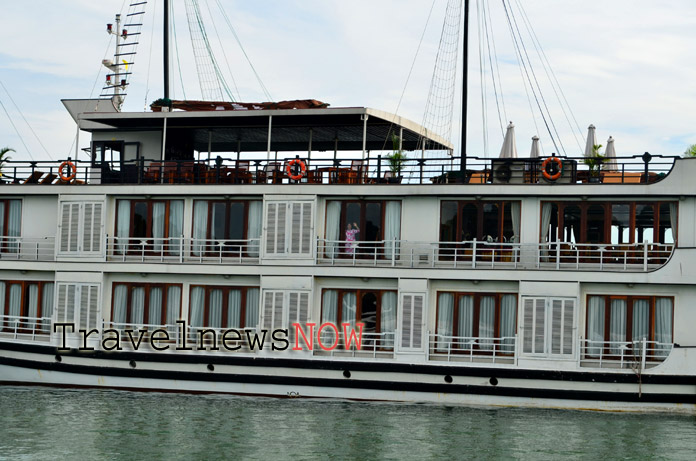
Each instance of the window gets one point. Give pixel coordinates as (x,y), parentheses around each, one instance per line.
(362,228)
(617,325)
(80,228)
(609,222)
(376,309)
(237,223)
(548,326)
(289,227)
(464,221)
(26,299)
(224,307)
(10,225)
(145,304)
(152,226)
(476,321)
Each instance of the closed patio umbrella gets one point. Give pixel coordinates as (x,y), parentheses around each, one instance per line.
(591,141)
(610,163)
(536,151)
(509,149)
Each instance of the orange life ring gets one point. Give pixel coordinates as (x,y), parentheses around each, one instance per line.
(291,164)
(550,176)
(71,169)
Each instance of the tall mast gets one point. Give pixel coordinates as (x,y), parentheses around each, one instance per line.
(166,49)
(465,83)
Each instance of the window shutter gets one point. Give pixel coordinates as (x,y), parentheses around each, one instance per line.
(267,310)
(528,326)
(547,326)
(300,228)
(89,306)
(65,309)
(289,228)
(69,226)
(539,325)
(562,326)
(412,321)
(81,227)
(78,303)
(92,228)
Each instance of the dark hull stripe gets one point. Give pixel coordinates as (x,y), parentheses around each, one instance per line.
(353,383)
(375,366)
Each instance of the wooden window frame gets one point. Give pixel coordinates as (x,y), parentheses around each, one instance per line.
(212,250)
(476,317)
(4,247)
(132,247)
(146,306)
(359,293)
(629,299)
(479,204)
(225,300)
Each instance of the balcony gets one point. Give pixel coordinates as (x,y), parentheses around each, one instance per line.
(28,249)
(253,170)
(25,329)
(472,349)
(635,355)
(474,254)
(182,250)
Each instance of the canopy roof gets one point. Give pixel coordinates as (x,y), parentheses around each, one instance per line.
(247,131)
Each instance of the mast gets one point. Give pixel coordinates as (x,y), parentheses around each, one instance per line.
(465,84)
(166,49)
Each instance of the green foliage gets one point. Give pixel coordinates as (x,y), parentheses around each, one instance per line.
(595,162)
(397,157)
(691,151)
(4,157)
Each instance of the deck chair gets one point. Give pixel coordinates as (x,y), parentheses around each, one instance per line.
(34,178)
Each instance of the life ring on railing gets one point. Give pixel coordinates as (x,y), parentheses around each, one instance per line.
(72,171)
(289,169)
(552,168)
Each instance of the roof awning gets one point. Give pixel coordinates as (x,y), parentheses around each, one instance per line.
(291,130)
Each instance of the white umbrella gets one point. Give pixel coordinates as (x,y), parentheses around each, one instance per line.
(509,149)
(591,141)
(536,152)
(610,163)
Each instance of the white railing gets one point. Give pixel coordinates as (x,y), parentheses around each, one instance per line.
(640,256)
(24,248)
(25,328)
(469,348)
(182,250)
(372,344)
(640,354)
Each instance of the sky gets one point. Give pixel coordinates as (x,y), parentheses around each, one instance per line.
(625,66)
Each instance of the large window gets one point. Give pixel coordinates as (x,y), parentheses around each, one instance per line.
(232,227)
(492,221)
(152,226)
(362,228)
(10,225)
(617,325)
(613,223)
(145,304)
(224,307)
(26,299)
(476,321)
(376,309)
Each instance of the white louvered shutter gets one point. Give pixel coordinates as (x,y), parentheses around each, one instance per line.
(298,312)
(548,326)
(78,303)
(92,228)
(272,310)
(289,228)
(69,227)
(300,228)
(539,326)
(412,306)
(562,315)
(534,325)
(81,228)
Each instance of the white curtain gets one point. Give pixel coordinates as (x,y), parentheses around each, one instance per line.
(176,227)
(617,325)
(173,304)
(486,321)
(673,220)
(215,309)
(388,320)
(251,318)
(663,325)
(15,299)
(515,208)
(46,304)
(155,306)
(254,222)
(158,214)
(445,321)
(123,225)
(33,304)
(508,315)
(641,317)
(200,226)
(392,229)
(350,309)
(137,305)
(595,325)
(14,224)
(2,221)
(234,309)
(120,303)
(465,325)
(329,314)
(333,221)
(545,222)
(197,307)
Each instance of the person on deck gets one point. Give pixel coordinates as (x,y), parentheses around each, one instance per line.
(351,233)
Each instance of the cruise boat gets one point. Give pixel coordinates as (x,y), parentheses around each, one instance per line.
(217,248)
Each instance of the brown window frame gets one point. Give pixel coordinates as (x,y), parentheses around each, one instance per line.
(480,231)
(4,238)
(212,250)
(146,306)
(359,293)
(225,298)
(24,299)
(477,312)
(362,244)
(133,247)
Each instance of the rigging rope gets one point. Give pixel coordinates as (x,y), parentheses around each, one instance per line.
(25,120)
(237,94)
(176,48)
(16,130)
(149,58)
(482,71)
(491,55)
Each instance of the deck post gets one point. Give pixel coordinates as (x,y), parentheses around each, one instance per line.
(364,137)
(268,150)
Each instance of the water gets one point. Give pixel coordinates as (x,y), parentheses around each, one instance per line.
(41,423)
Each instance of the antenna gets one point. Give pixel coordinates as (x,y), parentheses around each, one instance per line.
(166,49)
(465,85)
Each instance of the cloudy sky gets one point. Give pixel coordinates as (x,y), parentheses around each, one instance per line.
(626,66)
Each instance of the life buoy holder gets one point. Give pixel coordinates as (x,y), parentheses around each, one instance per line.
(290,167)
(71,173)
(552,168)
